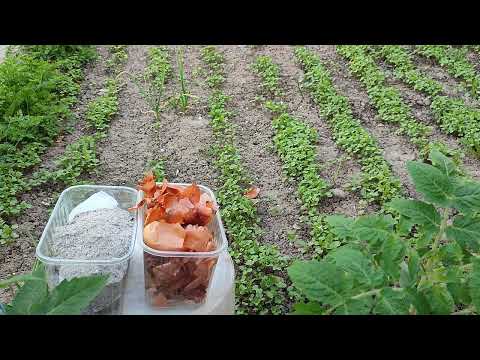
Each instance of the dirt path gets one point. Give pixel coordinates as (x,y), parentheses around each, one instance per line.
(278,208)
(19,257)
(397,149)
(183,140)
(124,152)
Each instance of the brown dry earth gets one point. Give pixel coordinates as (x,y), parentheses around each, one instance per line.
(183,139)
(278,207)
(123,154)
(19,257)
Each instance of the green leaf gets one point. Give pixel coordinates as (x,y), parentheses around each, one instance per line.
(466,197)
(474,284)
(361,306)
(420,212)
(440,300)
(311,308)
(465,231)
(341,225)
(409,272)
(391,302)
(358,265)
(30,298)
(458,288)
(419,301)
(373,228)
(321,281)
(442,162)
(435,186)
(451,254)
(393,252)
(70,297)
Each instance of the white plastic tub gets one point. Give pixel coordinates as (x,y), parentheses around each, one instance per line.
(109,301)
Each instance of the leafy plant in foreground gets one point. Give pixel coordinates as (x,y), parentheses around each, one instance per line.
(70,297)
(427,262)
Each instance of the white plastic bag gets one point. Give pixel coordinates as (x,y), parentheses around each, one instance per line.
(99,200)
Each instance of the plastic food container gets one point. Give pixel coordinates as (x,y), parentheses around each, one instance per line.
(109,301)
(169,275)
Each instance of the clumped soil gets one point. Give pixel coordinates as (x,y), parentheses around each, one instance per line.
(19,257)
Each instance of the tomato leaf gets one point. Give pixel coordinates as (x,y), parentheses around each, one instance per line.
(71,297)
(435,186)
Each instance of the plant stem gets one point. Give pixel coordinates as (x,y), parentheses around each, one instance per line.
(365,294)
(443,225)
(436,242)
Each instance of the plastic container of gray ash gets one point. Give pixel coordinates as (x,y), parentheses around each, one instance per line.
(91,242)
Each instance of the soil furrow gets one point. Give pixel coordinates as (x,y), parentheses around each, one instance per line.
(452,86)
(337,168)
(19,257)
(278,208)
(397,149)
(124,151)
(183,139)
(419,103)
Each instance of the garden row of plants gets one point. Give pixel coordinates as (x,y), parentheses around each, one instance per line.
(38,86)
(377,182)
(260,287)
(452,114)
(454,60)
(295,143)
(386,99)
(80,157)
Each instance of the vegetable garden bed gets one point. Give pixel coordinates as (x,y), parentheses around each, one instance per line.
(346,176)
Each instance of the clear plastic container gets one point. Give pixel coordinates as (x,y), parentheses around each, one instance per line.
(109,301)
(165,288)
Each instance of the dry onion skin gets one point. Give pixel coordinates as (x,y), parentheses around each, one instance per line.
(176,219)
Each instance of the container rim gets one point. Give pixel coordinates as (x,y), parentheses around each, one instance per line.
(62,261)
(200,254)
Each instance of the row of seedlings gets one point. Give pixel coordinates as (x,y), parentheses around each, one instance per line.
(452,114)
(295,144)
(151,83)
(38,87)
(455,61)
(260,288)
(377,182)
(80,157)
(388,100)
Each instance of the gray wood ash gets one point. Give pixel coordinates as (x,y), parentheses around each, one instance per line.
(101,234)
